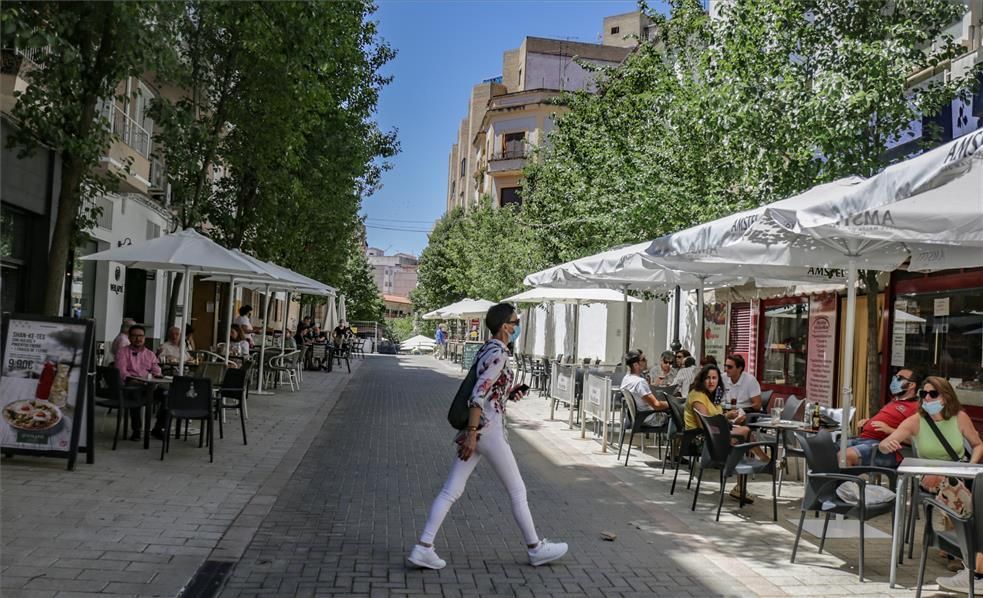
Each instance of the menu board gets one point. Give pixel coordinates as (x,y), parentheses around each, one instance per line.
(467,356)
(822,349)
(43,381)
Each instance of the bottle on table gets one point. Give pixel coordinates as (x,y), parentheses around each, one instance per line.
(816,416)
(733,404)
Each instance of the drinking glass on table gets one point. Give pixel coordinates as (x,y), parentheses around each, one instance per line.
(777,406)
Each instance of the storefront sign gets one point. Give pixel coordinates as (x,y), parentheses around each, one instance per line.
(43,385)
(820,357)
(715,333)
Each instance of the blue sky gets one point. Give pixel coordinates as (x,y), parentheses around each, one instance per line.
(444,48)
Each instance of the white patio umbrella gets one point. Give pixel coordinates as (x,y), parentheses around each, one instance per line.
(187,251)
(465,309)
(277,277)
(419,341)
(928,205)
(342,310)
(576,297)
(331,317)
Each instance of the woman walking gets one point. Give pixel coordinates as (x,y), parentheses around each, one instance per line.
(486,437)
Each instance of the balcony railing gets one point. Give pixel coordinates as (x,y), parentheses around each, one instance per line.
(127,129)
(511,153)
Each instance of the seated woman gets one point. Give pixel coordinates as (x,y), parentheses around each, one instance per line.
(238,345)
(939,402)
(702,399)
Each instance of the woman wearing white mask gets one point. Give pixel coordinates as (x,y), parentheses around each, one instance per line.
(486,437)
(952,426)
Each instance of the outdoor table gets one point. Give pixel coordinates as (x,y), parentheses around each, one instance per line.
(911,467)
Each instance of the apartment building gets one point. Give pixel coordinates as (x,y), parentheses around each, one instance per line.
(394,275)
(510,114)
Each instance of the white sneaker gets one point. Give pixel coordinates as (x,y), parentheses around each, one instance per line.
(426,557)
(957,583)
(546,552)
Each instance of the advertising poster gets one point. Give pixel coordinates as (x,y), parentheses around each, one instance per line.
(821,355)
(42,384)
(715,334)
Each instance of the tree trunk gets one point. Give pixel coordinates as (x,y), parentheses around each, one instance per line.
(172,300)
(873,355)
(62,235)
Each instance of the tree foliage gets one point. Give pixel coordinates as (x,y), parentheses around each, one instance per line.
(362,299)
(482,254)
(83,50)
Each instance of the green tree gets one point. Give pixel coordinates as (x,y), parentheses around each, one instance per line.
(362,299)
(85,50)
(434,288)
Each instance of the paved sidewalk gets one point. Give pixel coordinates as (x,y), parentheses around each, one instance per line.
(359,497)
(133,525)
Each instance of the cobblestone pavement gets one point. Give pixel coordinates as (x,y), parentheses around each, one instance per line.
(132,525)
(357,501)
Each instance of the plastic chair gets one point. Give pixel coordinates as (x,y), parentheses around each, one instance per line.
(682,442)
(730,460)
(112,393)
(635,422)
(285,364)
(825,476)
(965,538)
(189,399)
(231,394)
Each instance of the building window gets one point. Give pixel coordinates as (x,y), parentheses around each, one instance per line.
(464,166)
(785,329)
(615,30)
(104,218)
(510,195)
(513,145)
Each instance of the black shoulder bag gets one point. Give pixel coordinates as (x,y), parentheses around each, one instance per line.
(457,415)
(945,443)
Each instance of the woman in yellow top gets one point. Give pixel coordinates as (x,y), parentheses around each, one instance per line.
(700,400)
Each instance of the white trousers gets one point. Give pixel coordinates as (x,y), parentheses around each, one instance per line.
(493,446)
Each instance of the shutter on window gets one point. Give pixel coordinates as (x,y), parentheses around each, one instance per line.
(739,339)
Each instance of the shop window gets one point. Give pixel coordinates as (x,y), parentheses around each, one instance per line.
(941,334)
(785,336)
(135,294)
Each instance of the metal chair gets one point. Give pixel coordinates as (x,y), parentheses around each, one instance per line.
(682,442)
(110,392)
(231,394)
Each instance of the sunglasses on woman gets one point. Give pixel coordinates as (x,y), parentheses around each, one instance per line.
(928,393)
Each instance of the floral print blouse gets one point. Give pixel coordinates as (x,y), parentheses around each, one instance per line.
(493,383)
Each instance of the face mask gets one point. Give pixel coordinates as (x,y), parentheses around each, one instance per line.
(515,333)
(897,387)
(932,407)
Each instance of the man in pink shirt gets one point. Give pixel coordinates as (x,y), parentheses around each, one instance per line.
(136,362)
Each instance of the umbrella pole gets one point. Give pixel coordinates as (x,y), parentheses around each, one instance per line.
(702,335)
(187,317)
(624,291)
(228,318)
(851,316)
(262,345)
(286,314)
(576,331)
(676,345)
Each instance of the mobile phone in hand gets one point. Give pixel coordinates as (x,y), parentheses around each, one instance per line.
(522,389)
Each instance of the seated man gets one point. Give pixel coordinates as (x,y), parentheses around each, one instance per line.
(137,365)
(741,387)
(666,372)
(902,403)
(650,409)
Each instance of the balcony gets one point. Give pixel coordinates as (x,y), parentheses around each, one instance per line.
(127,129)
(511,159)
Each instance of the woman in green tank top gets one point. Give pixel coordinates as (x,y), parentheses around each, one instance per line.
(939,402)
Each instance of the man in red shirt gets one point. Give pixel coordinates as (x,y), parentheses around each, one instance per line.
(902,404)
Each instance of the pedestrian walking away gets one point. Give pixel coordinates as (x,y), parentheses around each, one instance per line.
(486,436)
